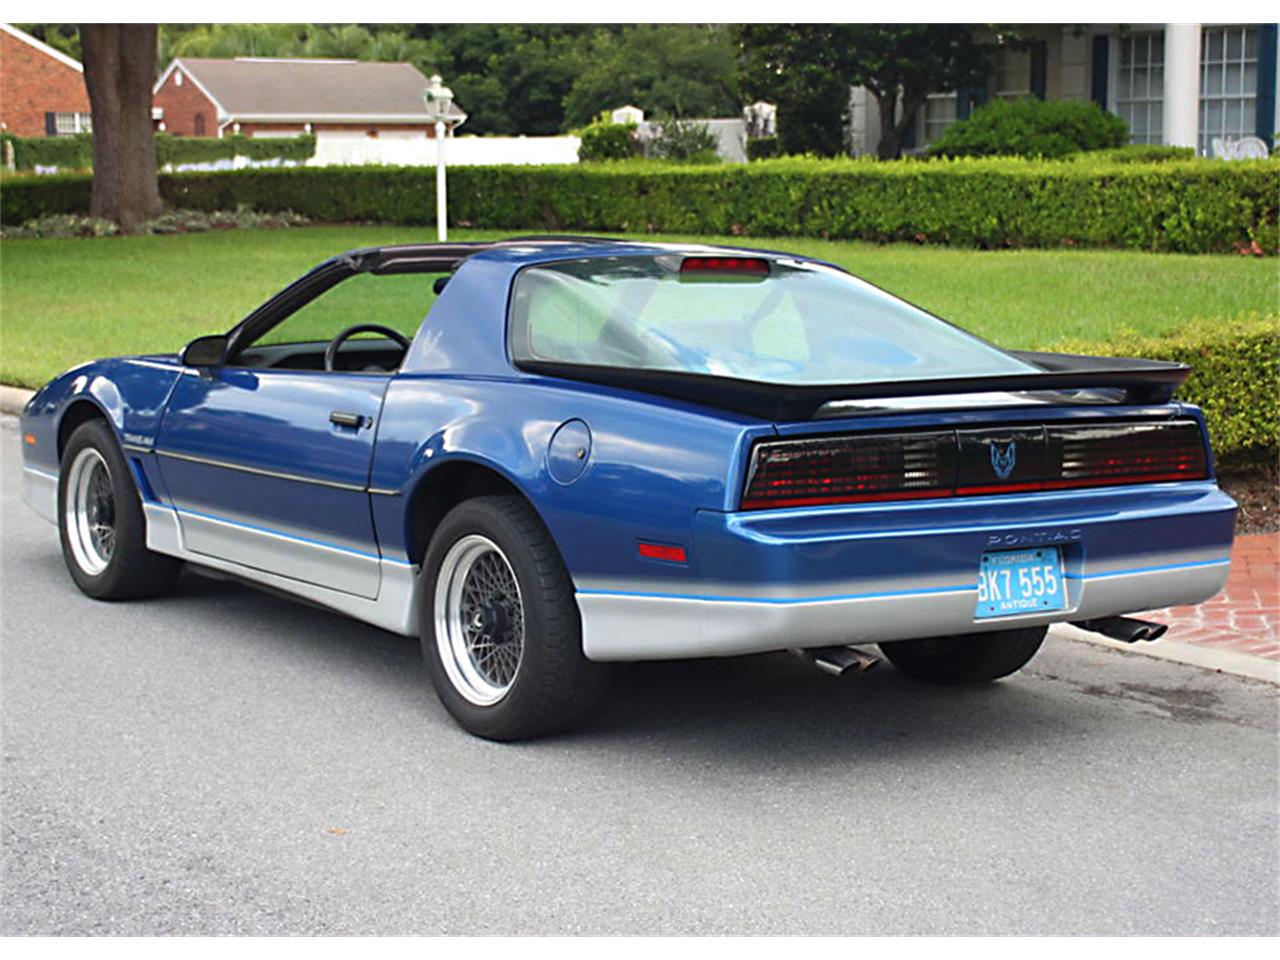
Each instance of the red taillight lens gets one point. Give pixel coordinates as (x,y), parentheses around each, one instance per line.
(749,266)
(971,462)
(1129,453)
(848,469)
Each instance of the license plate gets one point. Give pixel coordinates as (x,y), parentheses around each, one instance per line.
(1020,581)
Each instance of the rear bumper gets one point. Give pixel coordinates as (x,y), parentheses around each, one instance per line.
(782,579)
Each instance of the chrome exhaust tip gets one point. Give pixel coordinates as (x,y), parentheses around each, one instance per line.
(1124,629)
(838,661)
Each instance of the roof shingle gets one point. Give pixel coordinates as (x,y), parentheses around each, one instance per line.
(251,87)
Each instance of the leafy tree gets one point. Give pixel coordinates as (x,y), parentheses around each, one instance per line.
(60,36)
(911,61)
(665,69)
(803,66)
(510,78)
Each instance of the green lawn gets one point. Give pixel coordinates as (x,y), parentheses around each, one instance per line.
(64,301)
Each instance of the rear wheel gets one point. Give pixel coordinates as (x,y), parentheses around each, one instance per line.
(965,659)
(100,520)
(500,629)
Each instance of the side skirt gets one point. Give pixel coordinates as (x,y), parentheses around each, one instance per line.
(394,609)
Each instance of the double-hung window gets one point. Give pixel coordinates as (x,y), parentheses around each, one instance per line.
(1139,97)
(939,113)
(1228,84)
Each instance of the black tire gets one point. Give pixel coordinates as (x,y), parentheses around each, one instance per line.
(977,658)
(132,572)
(554,684)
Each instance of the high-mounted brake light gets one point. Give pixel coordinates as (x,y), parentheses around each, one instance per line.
(750,266)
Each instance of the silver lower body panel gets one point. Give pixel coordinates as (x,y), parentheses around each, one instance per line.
(40,491)
(394,608)
(621,626)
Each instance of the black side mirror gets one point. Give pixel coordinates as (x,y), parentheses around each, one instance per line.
(205,351)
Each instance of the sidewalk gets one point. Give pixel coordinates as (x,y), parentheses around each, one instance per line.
(1245,616)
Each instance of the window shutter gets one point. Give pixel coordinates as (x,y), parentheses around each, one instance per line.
(969,99)
(1265,127)
(1039,68)
(50,124)
(1101,69)
(909,135)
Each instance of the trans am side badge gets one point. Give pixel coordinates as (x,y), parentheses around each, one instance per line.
(1002,462)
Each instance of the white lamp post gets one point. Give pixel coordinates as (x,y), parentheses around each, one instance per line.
(439,98)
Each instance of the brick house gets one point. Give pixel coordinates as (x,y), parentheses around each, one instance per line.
(42,90)
(342,102)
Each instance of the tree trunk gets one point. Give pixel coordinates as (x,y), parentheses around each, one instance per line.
(119,68)
(890,145)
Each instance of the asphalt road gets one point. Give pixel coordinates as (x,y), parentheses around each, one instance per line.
(224,761)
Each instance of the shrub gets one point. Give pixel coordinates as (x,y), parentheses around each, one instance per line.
(762,148)
(1032,128)
(1195,206)
(682,141)
(608,141)
(1236,377)
(63,225)
(59,226)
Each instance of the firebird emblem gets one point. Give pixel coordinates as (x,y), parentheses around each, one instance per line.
(1003,461)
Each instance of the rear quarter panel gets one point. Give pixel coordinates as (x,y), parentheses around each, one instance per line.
(651,466)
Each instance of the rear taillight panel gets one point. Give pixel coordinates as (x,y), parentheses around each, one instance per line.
(971,462)
(848,469)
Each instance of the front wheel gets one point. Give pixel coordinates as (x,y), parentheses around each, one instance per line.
(500,630)
(100,520)
(965,659)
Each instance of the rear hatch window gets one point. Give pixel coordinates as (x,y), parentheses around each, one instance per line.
(767,319)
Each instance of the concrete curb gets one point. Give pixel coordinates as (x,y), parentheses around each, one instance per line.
(13,399)
(1194,655)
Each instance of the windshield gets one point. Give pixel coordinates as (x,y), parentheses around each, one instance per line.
(754,318)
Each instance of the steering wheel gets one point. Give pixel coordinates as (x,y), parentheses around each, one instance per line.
(331,351)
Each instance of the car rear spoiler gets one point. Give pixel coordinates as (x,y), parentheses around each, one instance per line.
(1125,380)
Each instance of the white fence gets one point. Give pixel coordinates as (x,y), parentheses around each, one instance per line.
(416,149)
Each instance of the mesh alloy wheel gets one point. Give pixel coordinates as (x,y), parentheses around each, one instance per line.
(479,619)
(91,512)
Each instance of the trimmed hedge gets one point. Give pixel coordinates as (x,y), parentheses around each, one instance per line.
(76,152)
(66,153)
(1196,206)
(1140,153)
(176,150)
(1236,380)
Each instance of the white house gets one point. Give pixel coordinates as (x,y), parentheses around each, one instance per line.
(1181,84)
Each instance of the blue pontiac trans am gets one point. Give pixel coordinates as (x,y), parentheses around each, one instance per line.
(595,450)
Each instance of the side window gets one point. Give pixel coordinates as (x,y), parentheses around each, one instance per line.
(559,322)
(399,301)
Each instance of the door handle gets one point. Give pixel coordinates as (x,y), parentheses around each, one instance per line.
(342,419)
